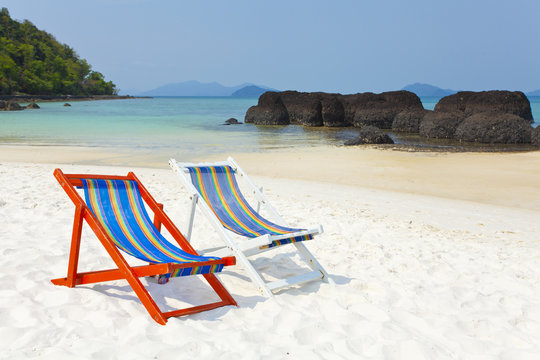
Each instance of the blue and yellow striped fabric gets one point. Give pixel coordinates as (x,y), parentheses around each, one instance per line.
(118,206)
(218,187)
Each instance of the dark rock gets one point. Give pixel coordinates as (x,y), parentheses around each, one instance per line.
(303,108)
(379,109)
(67,104)
(232,121)
(269,111)
(350,103)
(470,103)
(332,111)
(13,106)
(494,128)
(535,136)
(408,121)
(440,125)
(3,104)
(371,135)
(32,106)
(382,118)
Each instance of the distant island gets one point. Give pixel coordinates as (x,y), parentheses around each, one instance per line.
(196,88)
(428,90)
(251,91)
(33,62)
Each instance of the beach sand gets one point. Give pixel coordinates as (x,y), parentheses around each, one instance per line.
(433,255)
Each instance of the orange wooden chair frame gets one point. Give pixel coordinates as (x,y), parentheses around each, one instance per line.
(125,271)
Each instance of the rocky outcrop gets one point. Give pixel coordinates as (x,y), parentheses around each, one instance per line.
(535,136)
(402,111)
(440,125)
(494,128)
(232,121)
(408,121)
(10,106)
(303,108)
(67,104)
(371,135)
(270,110)
(32,106)
(494,101)
(333,110)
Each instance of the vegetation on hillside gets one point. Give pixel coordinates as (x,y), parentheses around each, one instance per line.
(33,62)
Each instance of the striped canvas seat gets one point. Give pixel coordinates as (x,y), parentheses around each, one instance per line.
(118,206)
(218,186)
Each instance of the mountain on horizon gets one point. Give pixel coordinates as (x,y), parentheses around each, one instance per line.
(194,88)
(250,91)
(534,93)
(428,90)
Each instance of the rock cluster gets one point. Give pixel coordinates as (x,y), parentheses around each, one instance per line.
(331,110)
(232,121)
(494,117)
(371,135)
(502,117)
(468,103)
(10,106)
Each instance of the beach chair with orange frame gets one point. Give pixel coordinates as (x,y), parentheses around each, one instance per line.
(114,208)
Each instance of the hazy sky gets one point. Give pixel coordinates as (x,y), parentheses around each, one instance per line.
(338,46)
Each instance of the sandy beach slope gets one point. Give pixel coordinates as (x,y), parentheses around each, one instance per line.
(427,262)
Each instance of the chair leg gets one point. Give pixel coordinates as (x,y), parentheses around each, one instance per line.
(311,261)
(220,289)
(253,274)
(75,246)
(144,297)
(194,200)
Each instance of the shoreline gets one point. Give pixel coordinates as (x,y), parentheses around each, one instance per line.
(498,178)
(60,98)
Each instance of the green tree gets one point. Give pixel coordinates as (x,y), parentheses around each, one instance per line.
(33,62)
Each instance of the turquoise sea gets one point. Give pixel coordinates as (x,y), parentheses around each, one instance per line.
(180,126)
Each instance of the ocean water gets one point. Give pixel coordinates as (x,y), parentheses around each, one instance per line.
(180,126)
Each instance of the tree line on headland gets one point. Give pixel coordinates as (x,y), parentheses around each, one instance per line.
(33,62)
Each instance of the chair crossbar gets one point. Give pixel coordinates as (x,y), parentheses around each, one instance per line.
(295,280)
(295,234)
(194,309)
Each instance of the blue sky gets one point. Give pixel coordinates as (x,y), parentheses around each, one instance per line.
(337,46)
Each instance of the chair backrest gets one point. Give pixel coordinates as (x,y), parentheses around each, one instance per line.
(218,187)
(118,206)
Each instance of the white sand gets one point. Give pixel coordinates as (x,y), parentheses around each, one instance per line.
(417,276)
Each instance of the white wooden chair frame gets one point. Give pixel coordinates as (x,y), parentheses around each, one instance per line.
(251,246)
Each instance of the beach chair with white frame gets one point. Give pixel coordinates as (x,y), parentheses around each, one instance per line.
(214,189)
